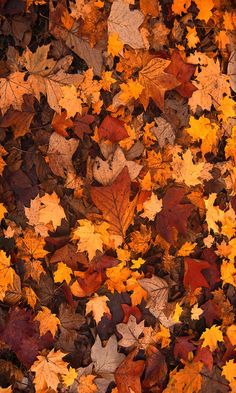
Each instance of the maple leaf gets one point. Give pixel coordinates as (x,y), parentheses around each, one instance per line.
(105,172)
(188,172)
(98,306)
(86,384)
(126,24)
(7,273)
(47,370)
(89,239)
(3,211)
(163,132)
(211,337)
(151,206)
(51,210)
(60,123)
(229,372)
(193,277)
(81,124)
(205,9)
(69,378)
(128,374)
(30,246)
(228,273)
(188,379)
(179,7)
(70,101)
(183,72)
(115,45)
(156,82)
(173,215)
(62,273)
(203,129)
(114,203)
(47,321)
(30,296)
(212,85)
(47,76)
(196,312)
(106,359)
(130,332)
(12,90)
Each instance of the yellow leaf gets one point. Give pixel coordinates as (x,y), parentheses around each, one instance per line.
(123,255)
(230,148)
(164,336)
(62,273)
(137,263)
(211,336)
(107,80)
(177,313)
(7,273)
(12,90)
(47,321)
(70,101)
(152,206)
(98,306)
(115,45)
(89,240)
(6,390)
(129,90)
(186,249)
(231,333)
(47,370)
(69,378)
(203,129)
(228,273)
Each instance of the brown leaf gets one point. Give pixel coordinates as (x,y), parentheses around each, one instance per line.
(60,123)
(114,202)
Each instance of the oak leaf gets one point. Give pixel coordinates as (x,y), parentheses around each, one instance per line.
(114,202)
(47,370)
(156,82)
(126,23)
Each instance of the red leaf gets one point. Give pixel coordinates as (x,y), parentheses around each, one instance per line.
(155,370)
(82,124)
(60,123)
(183,347)
(183,72)
(211,312)
(174,215)
(131,310)
(204,355)
(193,277)
(112,129)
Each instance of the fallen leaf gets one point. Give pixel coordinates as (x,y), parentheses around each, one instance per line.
(130,332)
(211,337)
(128,374)
(98,306)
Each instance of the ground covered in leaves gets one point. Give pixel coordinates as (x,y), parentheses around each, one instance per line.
(117,196)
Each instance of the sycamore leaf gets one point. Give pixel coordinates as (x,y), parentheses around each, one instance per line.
(47,321)
(156,82)
(130,332)
(89,239)
(47,370)
(98,306)
(126,24)
(211,336)
(114,203)
(62,273)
